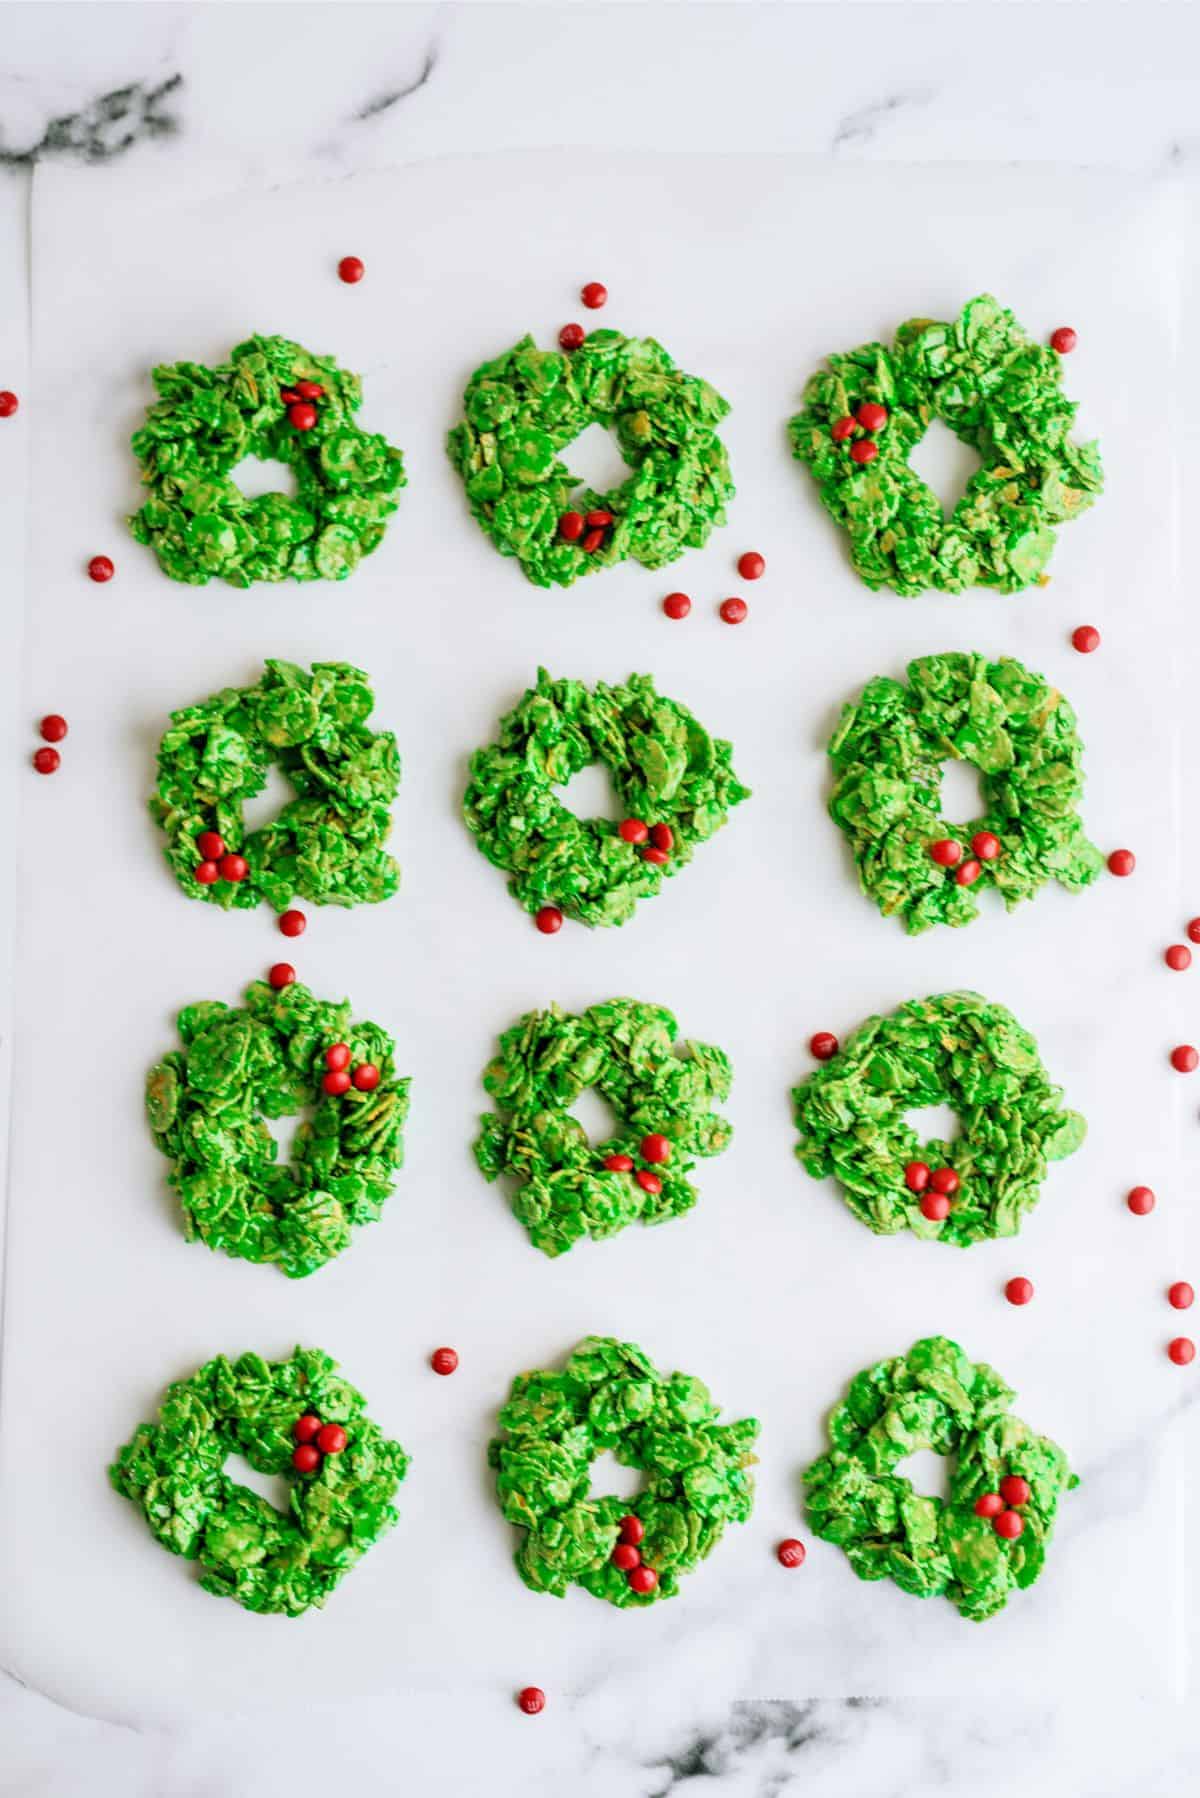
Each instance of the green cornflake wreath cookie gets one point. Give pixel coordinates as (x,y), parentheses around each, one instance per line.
(989,1537)
(523,409)
(955,1049)
(207,1104)
(174,1472)
(887,753)
(1001,394)
(670,776)
(610,1396)
(275,401)
(662,1099)
(326,845)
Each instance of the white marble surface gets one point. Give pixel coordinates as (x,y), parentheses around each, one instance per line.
(1077,84)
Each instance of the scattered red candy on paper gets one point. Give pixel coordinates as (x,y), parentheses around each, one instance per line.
(331,1438)
(281,975)
(293,923)
(337,1057)
(733,611)
(1184,1059)
(549,919)
(677,605)
(1122,862)
(305,1458)
(366,1077)
(47,761)
(935,1206)
(1181,1350)
(571,337)
(53,729)
(351,269)
(989,1504)
(945,852)
(1085,638)
(1010,1525)
(751,566)
(1178,957)
(642,1579)
(824,1045)
(1140,1200)
(8,403)
(306,1427)
(916,1176)
(625,1556)
(790,1552)
(443,1360)
(593,295)
(1019,1291)
(632,830)
(336,1082)
(531,1700)
(1063,340)
(101,568)
(655,1149)
(1193,930)
(1015,1490)
(1180,1296)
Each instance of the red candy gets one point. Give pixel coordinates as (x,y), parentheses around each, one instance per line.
(351,269)
(677,605)
(46,761)
(632,1529)
(1063,340)
(593,295)
(655,856)
(336,1082)
(1085,638)
(1015,1490)
(53,729)
(8,403)
(593,540)
(647,1181)
(211,845)
(1010,1525)
(281,975)
(1181,1350)
(790,1553)
(619,1164)
(989,1504)
(310,390)
(1019,1291)
(864,450)
(871,415)
(1140,1200)
(1122,862)
(293,923)
(1180,1296)
(945,852)
(531,1700)
(233,867)
(207,873)
(571,337)
(642,1579)
(1184,1059)
(1193,930)
(366,1077)
(662,836)
(331,1439)
(935,1206)
(968,874)
(337,1057)
(570,527)
(302,416)
(305,1458)
(985,845)
(916,1176)
(824,1045)
(655,1149)
(101,568)
(733,610)
(944,1180)
(443,1360)
(632,830)
(841,428)
(599,521)
(549,919)
(306,1427)
(751,566)
(626,1557)
(1178,957)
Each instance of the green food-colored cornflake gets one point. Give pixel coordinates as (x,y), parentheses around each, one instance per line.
(665,767)
(934,1398)
(198,521)
(289,1562)
(522,410)
(955,1049)
(999,392)
(626,1050)
(610,1397)
(207,1104)
(1009,723)
(326,845)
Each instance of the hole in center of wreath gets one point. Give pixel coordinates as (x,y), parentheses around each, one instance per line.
(595,460)
(270,802)
(254,476)
(927,1473)
(284,1131)
(945,464)
(271,1486)
(611,1480)
(596,1116)
(961,795)
(935,1123)
(591,794)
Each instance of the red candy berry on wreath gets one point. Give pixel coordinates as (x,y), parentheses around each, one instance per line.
(790,1553)
(662,836)
(945,852)
(944,1180)
(366,1077)
(655,1148)
(531,1699)
(302,416)
(1015,1490)
(642,1579)
(632,830)
(677,605)
(823,1046)
(1178,957)
(101,568)
(916,1176)
(626,1557)
(336,1082)
(310,390)
(1193,930)
(1085,638)
(233,867)
(1122,862)
(1019,1291)
(751,566)
(1181,1350)
(53,729)
(1180,1296)
(619,1164)
(593,540)
(654,855)
(206,874)
(733,611)
(935,1206)
(571,337)
(8,403)
(211,845)
(871,415)
(985,845)
(864,450)
(1063,340)
(647,1181)
(293,923)
(1140,1200)
(570,527)
(632,1529)
(305,1428)
(331,1438)
(1010,1525)
(599,520)
(968,873)
(305,1458)
(593,295)
(443,1360)
(337,1057)
(351,269)
(47,761)
(281,975)
(1184,1059)
(989,1504)
(841,428)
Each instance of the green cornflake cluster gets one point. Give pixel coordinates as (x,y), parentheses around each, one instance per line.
(999,392)
(665,767)
(626,1050)
(610,1396)
(1001,718)
(207,1104)
(198,521)
(934,1398)
(522,410)
(955,1049)
(326,845)
(270,1561)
